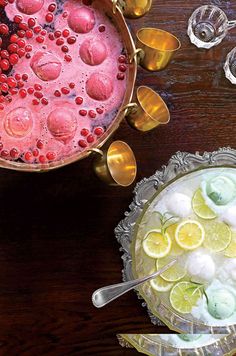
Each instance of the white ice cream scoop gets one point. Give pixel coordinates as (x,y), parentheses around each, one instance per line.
(229,216)
(179,204)
(200,266)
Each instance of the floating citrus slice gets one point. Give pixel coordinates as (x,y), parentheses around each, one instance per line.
(176,250)
(160,285)
(184,296)
(231,249)
(172,274)
(189,234)
(200,207)
(217,236)
(156,244)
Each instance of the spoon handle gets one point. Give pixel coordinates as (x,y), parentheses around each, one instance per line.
(105,295)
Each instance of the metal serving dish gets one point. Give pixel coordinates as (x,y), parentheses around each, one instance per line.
(153,345)
(179,165)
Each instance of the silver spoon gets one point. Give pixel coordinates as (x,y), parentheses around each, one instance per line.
(105,295)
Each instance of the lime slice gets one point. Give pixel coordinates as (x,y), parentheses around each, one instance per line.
(184,296)
(189,234)
(160,285)
(172,274)
(231,249)
(176,250)
(156,245)
(200,207)
(217,236)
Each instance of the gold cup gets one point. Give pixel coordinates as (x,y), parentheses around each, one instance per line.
(156,48)
(134,9)
(147,111)
(116,165)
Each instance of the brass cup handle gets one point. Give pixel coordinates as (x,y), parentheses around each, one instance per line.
(138,53)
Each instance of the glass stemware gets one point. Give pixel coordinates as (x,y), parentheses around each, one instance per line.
(230,66)
(208,25)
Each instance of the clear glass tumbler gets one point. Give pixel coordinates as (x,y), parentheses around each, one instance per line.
(208,25)
(230,66)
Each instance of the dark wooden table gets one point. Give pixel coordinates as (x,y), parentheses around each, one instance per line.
(56,233)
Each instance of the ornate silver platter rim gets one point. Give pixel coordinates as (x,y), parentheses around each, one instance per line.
(179,164)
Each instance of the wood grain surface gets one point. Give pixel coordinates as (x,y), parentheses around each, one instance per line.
(56,233)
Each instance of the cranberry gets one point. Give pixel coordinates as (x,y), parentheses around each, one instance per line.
(25,77)
(51,36)
(12,48)
(3,3)
(79,100)
(68,58)
(23,93)
(14,153)
(82,143)
(120,76)
(28,48)
(30,90)
(4,87)
(65,90)
(31,22)
(21,33)
(8,98)
(21,52)
(38,94)
(65,14)
(51,156)
(18,19)
(35,152)
(28,56)
(38,86)
(98,131)
(122,59)
(21,43)
(43,32)
(14,38)
(20,84)
(29,33)
(57,93)
(64,49)
(72,85)
(49,17)
(122,68)
(71,39)
(3,78)
(35,102)
(4,54)
(4,153)
(4,64)
(4,29)
(83,112)
(99,111)
(57,34)
(90,139)
(52,7)
(40,144)
(101,28)
(42,159)
(13,91)
(59,41)
(23,26)
(11,82)
(37,29)
(40,39)
(17,76)
(65,33)
(84,132)
(92,114)
(28,156)
(44,101)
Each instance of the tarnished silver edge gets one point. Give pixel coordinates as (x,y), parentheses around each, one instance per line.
(179,163)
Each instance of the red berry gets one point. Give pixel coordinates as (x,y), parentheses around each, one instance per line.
(82,143)
(28,48)
(11,82)
(31,22)
(72,85)
(4,54)
(3,3)
(65,14)
(79,100)
(99,111)
(3,78)
(23,26)
(68,58)
(38,86)
(65,90)
(4,87)
(11,1)
(122,59)
(99,131)
(8,98)
(51,36)
(42,159)
(43,32)
(4,153)
(20,84)
(35,152)
(84,132)
(17,76)
(12,48)
(57,93)
(120,76)
(29,34)
(92,114)
(71,39)
(65,49)
(21,43)
(52,7)
(57,34)
(28,156)
(25,77)
(14,153)
(1,108)
(35,102)
(40,39)
(40,144)
(4,29)
(101,28)
(37,29)
(13,91)
(83,112)
(21,52)
(38,94)
(2,100)
(65,33)
(14,38)
(59,41)
(17,19)
(23,93)
(4,64)
(44,101)
(49,17)
(122,68)
(90,139)
(51,156)
(30,90)
(21,33)
(28,56)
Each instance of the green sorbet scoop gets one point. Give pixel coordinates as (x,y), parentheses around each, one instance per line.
(189,337)
(221,304)
(221,190)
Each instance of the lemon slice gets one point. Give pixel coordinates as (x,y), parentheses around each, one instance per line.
(200,207)
(231,249)
(176,250)
(189,234)
(217,236)
(156,245)
(172,274)
(160,285)
(184,296)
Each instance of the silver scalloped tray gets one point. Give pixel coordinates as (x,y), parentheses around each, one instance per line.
(179,164)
